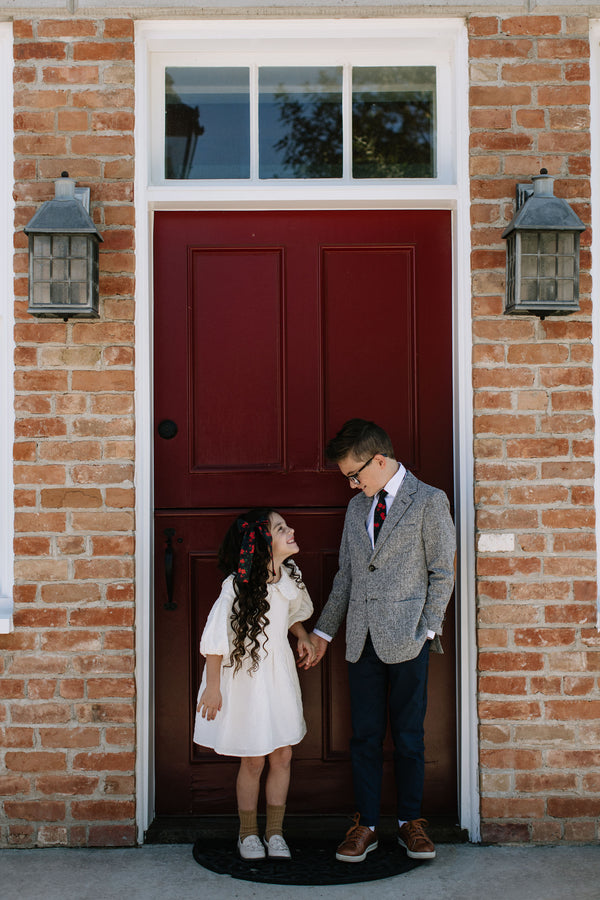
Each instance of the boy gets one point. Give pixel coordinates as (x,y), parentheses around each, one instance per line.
(395,579)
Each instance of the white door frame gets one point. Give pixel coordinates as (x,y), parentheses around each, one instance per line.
(454,197)
(7,325)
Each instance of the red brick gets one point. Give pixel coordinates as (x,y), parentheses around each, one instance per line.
(513,710)
(112,836)
(67,785)
(40,50)
(70,75)
(574,807)
(110,713)
(119,29)
(66,28)
(573,709)
(70,593)
(506,95)
(68,738)
(557,48)
(511,759)
(105,762)
(534,25)
(35,761)
(35,810)
(104,50)
(98,810)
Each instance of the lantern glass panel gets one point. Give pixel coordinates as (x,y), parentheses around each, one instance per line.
(566,243)
(548,242)
(60,245)
(547,290)
(566,291)
(41,269)
(79,246)
(79,269)
(59,293)
(565,266)
(79,294)
(547,266)
(41,294)
(529,266)
(529,289)
(42,245)
(60,270)
(529,243)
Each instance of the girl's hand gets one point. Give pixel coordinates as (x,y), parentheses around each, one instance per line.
(306,652)
(210,703)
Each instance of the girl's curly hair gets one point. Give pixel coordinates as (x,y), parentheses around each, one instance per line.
(250,606)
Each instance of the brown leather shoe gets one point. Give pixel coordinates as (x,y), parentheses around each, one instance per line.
(359,841)
(412,837)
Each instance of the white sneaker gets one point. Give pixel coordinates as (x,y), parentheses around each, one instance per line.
(251,847)
(277,847)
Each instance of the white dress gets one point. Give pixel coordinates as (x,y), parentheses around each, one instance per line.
(263,710)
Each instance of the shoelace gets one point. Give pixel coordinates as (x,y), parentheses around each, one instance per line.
(416,828)
(352,833)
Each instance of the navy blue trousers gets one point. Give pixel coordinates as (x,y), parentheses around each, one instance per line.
(375,688)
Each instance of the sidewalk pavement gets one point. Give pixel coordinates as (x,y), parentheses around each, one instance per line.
(169,872)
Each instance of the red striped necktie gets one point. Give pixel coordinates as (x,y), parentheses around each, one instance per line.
(379,515)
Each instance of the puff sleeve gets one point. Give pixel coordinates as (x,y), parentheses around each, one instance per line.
(217,637)
(301,607)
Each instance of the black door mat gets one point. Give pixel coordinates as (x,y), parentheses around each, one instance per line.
(311,863)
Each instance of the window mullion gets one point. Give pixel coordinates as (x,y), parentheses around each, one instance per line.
(254,170)
(347,122)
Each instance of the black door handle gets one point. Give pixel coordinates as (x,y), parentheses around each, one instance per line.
(167,429)
(169,567)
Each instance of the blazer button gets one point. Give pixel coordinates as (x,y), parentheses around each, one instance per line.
(371,568)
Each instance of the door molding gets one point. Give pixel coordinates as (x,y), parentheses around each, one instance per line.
(454,197)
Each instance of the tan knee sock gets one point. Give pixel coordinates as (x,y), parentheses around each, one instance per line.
(275,816)
(248,823)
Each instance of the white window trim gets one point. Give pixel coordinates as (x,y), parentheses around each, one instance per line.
(165,37)
(7,346)
(341,53)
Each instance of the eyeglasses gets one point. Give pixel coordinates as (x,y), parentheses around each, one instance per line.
(354,479)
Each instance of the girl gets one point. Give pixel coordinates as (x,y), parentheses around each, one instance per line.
(249,700)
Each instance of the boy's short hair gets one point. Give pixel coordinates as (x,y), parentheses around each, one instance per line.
(360,438)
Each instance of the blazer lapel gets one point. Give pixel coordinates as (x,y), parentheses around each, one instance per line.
(402,501)
(361,511)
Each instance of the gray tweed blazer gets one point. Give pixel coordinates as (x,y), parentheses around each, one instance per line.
(399,590)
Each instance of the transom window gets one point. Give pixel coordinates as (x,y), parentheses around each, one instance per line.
(268,105)
(301,122)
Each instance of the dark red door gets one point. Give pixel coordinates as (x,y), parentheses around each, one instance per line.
(271,329)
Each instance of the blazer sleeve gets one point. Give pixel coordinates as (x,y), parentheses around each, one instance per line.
(439,540)
(334,611)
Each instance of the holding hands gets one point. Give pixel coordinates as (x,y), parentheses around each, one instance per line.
(320,645)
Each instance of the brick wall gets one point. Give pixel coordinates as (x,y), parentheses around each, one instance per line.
(67,738)
(67,747)
(539,659)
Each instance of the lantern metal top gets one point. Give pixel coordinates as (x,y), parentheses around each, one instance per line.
(64,214)
(542,211)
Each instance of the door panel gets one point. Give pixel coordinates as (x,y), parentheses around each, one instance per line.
(272,329)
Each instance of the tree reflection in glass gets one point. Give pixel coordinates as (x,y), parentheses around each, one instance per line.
(300,122)
(393,122)
(207,122)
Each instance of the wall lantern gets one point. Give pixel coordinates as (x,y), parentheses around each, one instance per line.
(542,254)
(63,256)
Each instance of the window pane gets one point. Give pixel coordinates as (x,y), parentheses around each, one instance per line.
(300,122)
(393,122)
(207,122)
